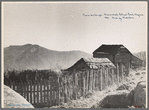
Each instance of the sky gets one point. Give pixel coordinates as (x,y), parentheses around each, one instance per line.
(66,26)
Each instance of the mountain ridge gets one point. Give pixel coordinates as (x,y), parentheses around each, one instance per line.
(30,56)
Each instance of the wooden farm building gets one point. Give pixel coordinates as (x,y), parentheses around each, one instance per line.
(98,73)
(118,54)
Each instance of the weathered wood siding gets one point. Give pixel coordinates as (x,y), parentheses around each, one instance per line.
(109,56)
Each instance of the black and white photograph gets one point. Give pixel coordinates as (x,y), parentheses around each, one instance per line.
(74,54)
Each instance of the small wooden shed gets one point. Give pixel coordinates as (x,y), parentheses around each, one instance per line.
(95,73)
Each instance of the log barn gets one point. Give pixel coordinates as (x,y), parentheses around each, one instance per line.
(118,54)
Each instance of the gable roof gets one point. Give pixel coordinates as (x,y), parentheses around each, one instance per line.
(110,49)
(136,60)
(98,62)
(94,63)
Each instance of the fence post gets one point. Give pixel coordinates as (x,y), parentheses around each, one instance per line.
(107,77)
(24,91)
(51,92)
(91,79)
(31,92)
(13,85)
(37,92)
(41,92)
(104,78)
(95,79)
(59,91)
(118,73)
(44,84)
(87,78)
(34,93)
(76,83)
(85,81)
(81,83)
(93,82)
(73,86)
(65,89)
(105,70)
(47,83)
(98,79)
(122,72)
(27,91)
(16,85)
(21,88)
(101,83)
(112,76)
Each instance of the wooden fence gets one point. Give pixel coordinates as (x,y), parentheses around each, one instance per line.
(70,86)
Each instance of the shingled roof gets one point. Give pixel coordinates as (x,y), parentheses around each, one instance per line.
(94,63)
(98,62)
(110,49)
